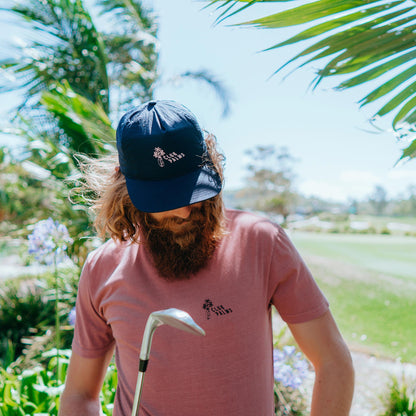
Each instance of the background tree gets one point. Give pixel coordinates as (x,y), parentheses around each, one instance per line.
(270,181)
(362,43)
(378,200)
(109,58)
(406,205)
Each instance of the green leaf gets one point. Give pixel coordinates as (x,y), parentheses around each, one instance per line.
(360,46)
(406,109)
(377,71)
(342,21)
(390,85)
(84,122)
(398,99)
(409,152)
(308,12)
(347,40)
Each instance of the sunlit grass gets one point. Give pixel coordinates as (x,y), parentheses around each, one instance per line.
(374,319)
(374,308)
(393,255)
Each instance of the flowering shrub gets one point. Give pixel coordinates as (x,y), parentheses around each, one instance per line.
(71,317)
(49,242)
(290,370)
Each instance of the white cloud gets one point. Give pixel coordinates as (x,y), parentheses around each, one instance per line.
(355,177)
(322,189)
(343,187)
(399,174)
(359,184)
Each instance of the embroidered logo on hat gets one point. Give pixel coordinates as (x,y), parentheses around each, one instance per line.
(160,155)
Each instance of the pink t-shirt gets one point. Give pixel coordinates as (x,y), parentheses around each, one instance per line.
(228,372)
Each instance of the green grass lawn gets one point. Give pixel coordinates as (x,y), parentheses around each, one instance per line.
(370,282)
(393,255)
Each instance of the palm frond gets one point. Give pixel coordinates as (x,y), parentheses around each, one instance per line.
(212,81)
(85,124)
(356,41)
(64,45)
(133,49)
(131,12)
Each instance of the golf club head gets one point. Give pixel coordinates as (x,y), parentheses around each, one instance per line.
(178,319)
(173,317)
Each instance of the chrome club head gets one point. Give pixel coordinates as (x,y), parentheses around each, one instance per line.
(173,317)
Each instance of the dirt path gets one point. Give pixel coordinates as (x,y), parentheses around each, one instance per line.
(373,377)
(11,266)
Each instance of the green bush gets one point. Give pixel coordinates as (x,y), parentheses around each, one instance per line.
(36,392)
(27,313)
(399,402)
(24,310)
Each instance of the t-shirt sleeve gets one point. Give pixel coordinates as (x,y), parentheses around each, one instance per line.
(294,292)
(92,335)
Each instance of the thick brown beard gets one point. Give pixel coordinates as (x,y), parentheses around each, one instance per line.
(181,248)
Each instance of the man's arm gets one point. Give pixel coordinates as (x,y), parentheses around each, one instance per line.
(322,343)
(83,384)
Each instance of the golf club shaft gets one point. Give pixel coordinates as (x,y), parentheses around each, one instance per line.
(137,394)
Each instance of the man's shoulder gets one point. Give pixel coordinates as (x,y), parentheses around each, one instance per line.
(110,252)
(240,218)
(249,222)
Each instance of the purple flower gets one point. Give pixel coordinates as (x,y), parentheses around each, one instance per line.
(72,316)
(49,242)
(290,368)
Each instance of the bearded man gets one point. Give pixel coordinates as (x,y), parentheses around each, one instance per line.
(173,244)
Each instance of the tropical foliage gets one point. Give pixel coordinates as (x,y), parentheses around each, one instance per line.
(76,68)
(67,46)
(369,43)
(35,391)
(27,314)
(400,399)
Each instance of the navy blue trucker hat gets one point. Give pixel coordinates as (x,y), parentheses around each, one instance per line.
(163,156)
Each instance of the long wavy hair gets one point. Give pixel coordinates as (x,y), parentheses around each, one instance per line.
(104,189)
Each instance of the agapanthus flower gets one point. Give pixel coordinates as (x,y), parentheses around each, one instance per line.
(49,242)
(72,316)
(290,368)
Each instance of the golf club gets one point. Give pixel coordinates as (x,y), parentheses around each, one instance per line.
(173,317)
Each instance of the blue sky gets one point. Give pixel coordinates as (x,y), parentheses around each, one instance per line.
(337,157)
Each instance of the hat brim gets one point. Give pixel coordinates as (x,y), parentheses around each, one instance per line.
(165,195)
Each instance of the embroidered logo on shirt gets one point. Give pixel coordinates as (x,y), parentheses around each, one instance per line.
(161,156)
(218,310)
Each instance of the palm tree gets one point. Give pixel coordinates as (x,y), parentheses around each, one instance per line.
(65,45)
(76,72)
(112,63)
(357,42)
